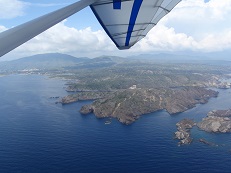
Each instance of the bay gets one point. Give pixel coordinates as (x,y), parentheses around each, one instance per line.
(37,135)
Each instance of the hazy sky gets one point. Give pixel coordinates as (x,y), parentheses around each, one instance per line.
(195,25)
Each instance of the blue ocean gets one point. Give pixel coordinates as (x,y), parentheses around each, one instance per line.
(39,136)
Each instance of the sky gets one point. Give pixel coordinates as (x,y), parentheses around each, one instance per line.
(193,25)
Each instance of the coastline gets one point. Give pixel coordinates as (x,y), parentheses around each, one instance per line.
(127,106)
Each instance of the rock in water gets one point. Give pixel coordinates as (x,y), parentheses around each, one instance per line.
(86,109)
(207,142)
(183,133)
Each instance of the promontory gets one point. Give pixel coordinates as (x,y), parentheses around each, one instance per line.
(128,105)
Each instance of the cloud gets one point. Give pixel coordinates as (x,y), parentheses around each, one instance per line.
(197,18)
(162,38)
(11,8)
(63,39)
(216,42)
(193,25)
(2,28)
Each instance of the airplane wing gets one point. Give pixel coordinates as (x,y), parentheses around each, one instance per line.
(18,35)
(125,21)
(128,21)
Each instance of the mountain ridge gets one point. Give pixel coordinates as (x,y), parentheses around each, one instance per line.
(42,61)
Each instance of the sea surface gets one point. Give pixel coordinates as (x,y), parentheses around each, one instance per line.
(37,135)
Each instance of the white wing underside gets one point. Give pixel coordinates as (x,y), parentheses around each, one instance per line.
(128,21)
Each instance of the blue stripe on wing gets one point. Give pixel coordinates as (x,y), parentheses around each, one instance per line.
(134,14)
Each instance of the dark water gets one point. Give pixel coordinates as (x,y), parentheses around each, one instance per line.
(37,135)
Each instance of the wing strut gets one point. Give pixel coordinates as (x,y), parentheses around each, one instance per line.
(18,35)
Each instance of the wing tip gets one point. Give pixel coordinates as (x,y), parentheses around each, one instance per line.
(123,47)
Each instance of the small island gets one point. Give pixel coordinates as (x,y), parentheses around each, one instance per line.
(183,131)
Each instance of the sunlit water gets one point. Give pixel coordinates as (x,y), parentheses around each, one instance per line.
(37,135)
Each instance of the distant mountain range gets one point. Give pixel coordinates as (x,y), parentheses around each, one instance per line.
(190,57)
(42,61)
(52,61)
(56,60)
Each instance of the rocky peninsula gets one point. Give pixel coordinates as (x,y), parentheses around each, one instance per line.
(128,105)
(217,121)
